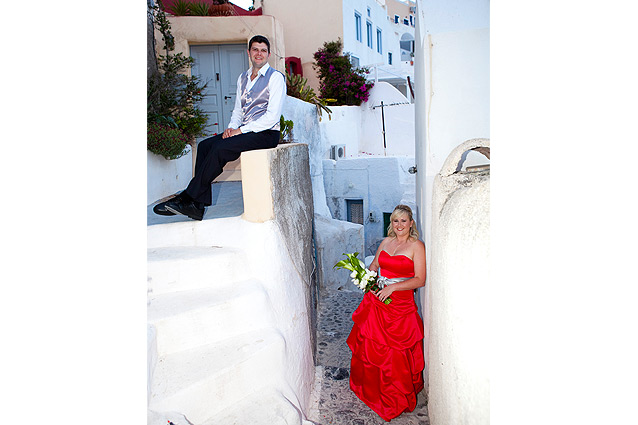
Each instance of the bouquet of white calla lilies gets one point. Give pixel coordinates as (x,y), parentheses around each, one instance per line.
(363,278)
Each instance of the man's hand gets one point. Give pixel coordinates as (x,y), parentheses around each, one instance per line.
(230,132)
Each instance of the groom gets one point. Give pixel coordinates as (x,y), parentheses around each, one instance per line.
(254,124)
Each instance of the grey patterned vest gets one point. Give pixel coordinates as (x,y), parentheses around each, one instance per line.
(254,102)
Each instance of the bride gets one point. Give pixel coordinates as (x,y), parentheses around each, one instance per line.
(387,340)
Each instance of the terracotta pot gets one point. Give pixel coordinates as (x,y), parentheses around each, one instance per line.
(221,9)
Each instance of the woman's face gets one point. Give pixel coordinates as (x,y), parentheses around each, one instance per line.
(401,225)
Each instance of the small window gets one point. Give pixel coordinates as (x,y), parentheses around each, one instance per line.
(369,33)
(386,223)
(396,19)
(412,20)
(357,26)
(379,42)
(368,12)
(354,61)
(406,22)
(355,210)
(389,58)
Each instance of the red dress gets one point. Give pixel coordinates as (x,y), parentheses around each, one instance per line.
(387,346)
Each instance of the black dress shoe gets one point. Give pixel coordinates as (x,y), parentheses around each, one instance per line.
(184,207)
(161,208)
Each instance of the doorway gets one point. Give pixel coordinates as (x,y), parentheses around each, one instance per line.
(219,65)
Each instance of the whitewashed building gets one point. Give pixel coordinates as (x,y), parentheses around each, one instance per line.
(377,33)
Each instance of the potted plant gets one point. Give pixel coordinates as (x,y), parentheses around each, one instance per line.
(221,8)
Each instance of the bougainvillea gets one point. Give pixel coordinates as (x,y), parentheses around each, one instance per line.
(339,82)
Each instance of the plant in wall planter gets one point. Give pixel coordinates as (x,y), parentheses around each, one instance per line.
(221,8)
(297,86)
(285,127)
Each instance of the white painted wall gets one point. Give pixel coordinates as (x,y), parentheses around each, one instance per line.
(459,288)
(343,128)
(379,19)
(452,102)
(266,248)
(307,130)
(164,177)
(399,123)
(380,182)
(452,86)
(360,128)
(333,237)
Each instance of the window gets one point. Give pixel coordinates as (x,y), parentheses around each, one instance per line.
(396,19)
(368,12)
(406,22)
(389,58)
(412,20)
(357,26)
(379,43)
(386,223)
(354,61)
(369,33)
(355,210)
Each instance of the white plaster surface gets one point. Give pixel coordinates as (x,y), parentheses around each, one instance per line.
(343,128)
(452,81)
(334,238)
(381,182)
(458,287)
(360,128)
(192,322)
(230,310)
(398,116)
(307,130)
(166,177)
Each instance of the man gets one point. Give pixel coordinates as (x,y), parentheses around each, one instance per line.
(254,124)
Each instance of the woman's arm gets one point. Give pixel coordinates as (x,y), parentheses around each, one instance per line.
(415,282)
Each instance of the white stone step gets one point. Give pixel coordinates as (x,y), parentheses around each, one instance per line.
(202,382)
(181,268)
(187,319)
(266,406)
(226,232)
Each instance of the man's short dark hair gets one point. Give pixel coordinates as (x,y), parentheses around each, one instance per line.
(259,39)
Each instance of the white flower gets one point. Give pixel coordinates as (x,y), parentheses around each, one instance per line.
(353,274)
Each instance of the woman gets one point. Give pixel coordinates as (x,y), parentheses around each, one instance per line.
(387,339)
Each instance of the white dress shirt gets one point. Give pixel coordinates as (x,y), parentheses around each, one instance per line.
(276,93)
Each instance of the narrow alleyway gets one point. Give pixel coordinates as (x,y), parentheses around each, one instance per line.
(337,404)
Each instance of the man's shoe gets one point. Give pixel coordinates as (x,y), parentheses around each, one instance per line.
(187,208)
(161,208)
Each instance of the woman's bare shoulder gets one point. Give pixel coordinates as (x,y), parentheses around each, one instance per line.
(418,245)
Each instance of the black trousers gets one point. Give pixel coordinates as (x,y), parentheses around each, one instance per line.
(215,152)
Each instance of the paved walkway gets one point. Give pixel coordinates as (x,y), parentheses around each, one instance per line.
(337,404)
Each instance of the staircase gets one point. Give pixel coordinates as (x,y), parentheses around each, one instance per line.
(216,352)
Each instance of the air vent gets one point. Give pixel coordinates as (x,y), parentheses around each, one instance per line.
(337,151)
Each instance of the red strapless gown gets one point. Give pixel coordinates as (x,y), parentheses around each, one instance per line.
(387,346)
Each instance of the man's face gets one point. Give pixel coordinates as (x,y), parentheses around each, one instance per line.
(258,54)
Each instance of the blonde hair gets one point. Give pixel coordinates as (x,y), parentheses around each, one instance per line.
(403,210)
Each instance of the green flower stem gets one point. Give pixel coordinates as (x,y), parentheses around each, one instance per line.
(375,288)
